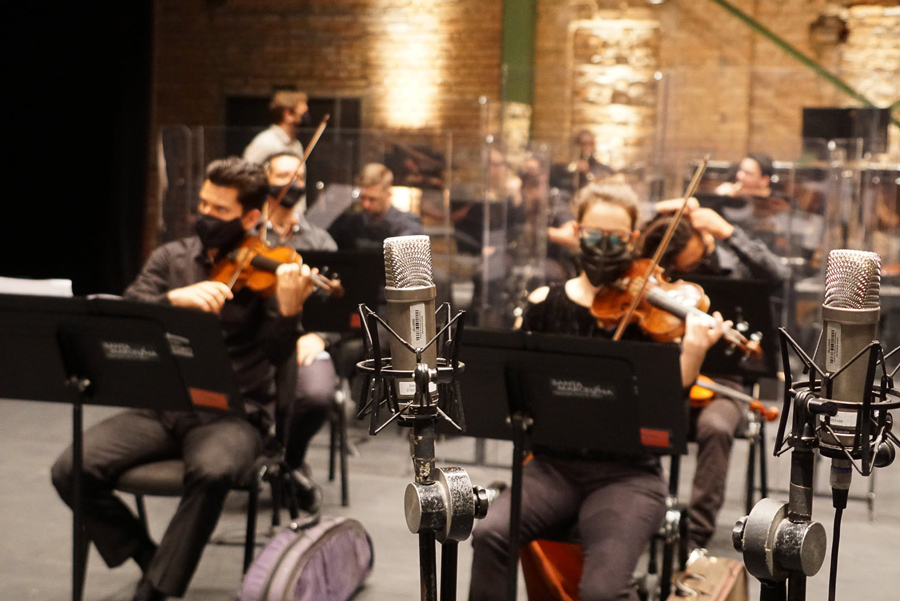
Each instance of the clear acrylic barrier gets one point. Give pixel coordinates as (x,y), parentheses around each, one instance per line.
(488,227)
(488,200)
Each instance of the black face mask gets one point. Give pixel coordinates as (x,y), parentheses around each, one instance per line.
(290,198)
(218,233)
(305,120)
(604,263)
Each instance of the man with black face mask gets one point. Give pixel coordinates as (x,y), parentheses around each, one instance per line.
(217,449)
(287,205)
(314,390)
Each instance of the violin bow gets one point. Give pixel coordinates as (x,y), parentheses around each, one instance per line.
(306,153)
(661,249)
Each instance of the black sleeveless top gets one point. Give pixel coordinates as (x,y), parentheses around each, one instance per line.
(558,314)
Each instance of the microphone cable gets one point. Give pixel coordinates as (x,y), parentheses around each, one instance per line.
(839,501)
(841,475)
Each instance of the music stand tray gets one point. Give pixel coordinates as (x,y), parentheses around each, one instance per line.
(584,393)
(362,275)
(741,300)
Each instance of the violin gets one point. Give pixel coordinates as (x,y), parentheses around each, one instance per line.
(253,265)
(664,306)
(704,389)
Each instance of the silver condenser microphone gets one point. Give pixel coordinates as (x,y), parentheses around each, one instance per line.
(850,314)
(410,293)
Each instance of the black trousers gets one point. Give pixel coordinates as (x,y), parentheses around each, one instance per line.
(617,507)
(218,451)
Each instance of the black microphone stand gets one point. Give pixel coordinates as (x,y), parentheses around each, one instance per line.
(780,542)
(441,504)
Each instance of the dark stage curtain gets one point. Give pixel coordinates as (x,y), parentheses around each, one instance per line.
(78,79)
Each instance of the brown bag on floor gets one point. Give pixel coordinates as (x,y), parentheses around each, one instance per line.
(711,579)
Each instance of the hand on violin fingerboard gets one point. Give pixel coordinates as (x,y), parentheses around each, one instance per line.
(207,296)
(292,287)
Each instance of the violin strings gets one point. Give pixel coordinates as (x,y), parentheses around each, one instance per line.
(695,181)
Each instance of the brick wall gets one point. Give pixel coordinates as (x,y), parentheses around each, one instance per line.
(383,51)
(871,58)
(424,63)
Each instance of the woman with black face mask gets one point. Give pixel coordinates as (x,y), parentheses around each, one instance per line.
(618,502)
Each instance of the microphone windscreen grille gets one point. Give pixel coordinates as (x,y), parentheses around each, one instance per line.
(853,279)
(407,262)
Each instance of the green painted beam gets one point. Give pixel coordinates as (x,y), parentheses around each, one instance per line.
(796,54)
(517,59)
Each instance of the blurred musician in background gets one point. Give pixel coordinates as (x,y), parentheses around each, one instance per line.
(705,243)
(373,218)
(583,169)
(314,391)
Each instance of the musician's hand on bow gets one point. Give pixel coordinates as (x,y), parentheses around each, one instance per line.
(698,338)
(207,296)
(293,286)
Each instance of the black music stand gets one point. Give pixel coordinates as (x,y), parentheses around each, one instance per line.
(571,393)
(115,353)
(362,275)
(747,301)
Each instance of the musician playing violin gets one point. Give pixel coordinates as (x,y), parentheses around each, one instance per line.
(314,390)
(617,501)
(705,243)
(217,449)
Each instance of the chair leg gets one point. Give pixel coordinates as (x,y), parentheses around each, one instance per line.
(763,463)
(142,513)
(345,481)
(80,568)
(277,484)
(751,473)
(332,448)
(665,576)
(250,539)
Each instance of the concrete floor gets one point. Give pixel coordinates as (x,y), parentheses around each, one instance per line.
(35,526)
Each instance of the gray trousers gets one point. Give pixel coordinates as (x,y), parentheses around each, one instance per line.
(715,429)
(617,507)
(217,451)
(313,399)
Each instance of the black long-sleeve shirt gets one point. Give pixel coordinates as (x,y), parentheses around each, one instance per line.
(257,337)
